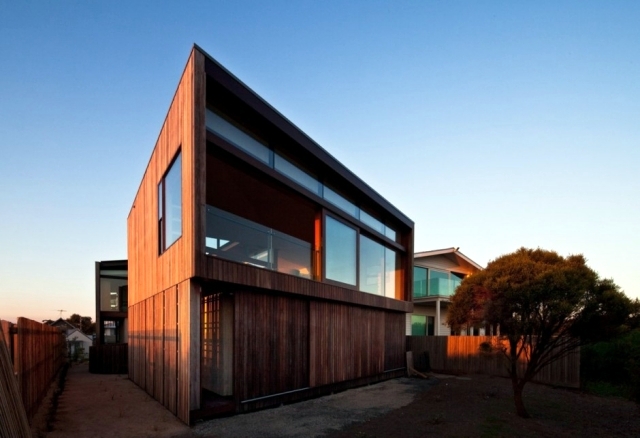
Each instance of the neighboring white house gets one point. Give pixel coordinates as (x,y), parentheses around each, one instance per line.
(436,275)
(78,344)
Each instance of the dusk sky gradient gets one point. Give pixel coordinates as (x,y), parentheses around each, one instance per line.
(491,124)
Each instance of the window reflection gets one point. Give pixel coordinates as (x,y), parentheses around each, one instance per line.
(372,269)
(340,252)
(237,136)
(419,282)
(234,238)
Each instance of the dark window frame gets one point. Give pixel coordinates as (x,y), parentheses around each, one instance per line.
(326,213)
(162,206)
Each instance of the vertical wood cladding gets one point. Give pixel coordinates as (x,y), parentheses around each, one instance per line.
(287,332)
(394,340)
(271,344)
(163,307)
(347,342)
(160,350)
(150,272)
(158,346)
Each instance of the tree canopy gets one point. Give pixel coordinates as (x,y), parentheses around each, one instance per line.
(544,306)
(84,323)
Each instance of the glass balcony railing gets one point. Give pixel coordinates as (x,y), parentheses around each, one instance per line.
(433,283)
(234,238)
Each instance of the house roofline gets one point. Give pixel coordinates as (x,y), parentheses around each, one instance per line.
(300,136)
(453,250)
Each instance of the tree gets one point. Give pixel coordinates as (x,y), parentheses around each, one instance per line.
(84,323)
(545,306)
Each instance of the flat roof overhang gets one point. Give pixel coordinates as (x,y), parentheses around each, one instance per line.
(215,71)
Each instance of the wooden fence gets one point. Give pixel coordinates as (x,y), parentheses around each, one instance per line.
(13,417)
(108,359)
(463,354)
(37,351)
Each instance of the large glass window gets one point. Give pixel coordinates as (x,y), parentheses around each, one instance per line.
(237,136)
(418,325)
(235,238)
(340,252)
(372,271)
(170,205)
(390,233)
(419,282)
(250,143)
(340,202)
(390,267)
(113,294)
(422,325)
(296,174)
(374,223)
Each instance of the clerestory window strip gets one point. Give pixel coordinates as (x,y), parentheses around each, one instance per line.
(245,141)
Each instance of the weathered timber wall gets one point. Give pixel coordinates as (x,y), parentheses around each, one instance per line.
(160,352)
(13,417)
(462,353)
(347,342)
(289,347)
(149,272)
(40,352)
(271,345)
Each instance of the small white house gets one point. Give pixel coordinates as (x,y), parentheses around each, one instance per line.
(78,344)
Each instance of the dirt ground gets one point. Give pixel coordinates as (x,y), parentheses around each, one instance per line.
(468,406)
(483,407)
(103,405)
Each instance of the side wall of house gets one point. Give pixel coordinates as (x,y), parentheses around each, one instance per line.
(287,344)
(164,315)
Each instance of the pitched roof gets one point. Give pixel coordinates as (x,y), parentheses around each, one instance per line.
(452,253)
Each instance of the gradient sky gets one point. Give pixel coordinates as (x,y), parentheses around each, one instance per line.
(493,125)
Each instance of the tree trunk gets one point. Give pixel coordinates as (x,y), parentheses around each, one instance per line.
(517,398)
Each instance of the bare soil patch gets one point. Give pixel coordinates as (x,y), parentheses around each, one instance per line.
(106,405)
(483,406)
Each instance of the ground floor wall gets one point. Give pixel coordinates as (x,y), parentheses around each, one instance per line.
(163,330)
(286,344)
(256,348)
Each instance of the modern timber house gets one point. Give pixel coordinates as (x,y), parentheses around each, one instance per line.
(108,355)
(261,270)
(436,275)
(111,302)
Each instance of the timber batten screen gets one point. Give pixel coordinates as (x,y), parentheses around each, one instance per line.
(246,305)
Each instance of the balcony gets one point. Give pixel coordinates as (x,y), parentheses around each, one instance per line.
(234,238)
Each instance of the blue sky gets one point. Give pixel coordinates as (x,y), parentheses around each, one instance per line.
(493,125)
